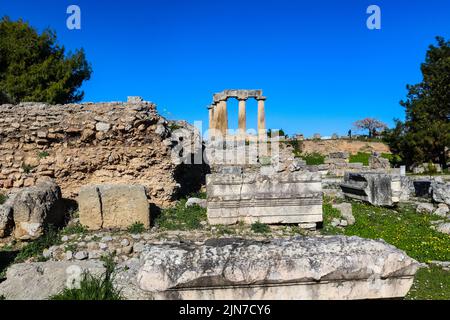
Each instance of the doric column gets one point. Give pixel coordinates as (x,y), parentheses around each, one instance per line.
(261,114)
(222,124)
(211,116)
(242,116)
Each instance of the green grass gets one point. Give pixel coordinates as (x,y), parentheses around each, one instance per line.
(360,157)
(313,158)
(181,218)
(74,229)
(430,284)
(34,249)
(259,227)
(406,230)
(137,227)
(3,198)
(93,287)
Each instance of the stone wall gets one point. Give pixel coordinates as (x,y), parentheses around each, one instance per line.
(79,144)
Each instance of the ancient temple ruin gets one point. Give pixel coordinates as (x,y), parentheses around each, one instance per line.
(218,113)
(257,187)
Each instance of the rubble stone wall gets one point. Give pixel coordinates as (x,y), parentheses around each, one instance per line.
(90,143)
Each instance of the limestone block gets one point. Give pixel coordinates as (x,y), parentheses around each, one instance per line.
(113,206)
(379,189)
(441,192)
(336,267)
(277,198)
(36,207)
(6,217)
(346,212)
(40,280)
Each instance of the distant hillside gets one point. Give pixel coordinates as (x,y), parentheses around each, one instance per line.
(326,147)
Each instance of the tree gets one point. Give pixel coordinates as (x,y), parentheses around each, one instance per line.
(370,124)
(425,134)
(33,67)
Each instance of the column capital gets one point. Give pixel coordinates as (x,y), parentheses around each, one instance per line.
(242,98)
(261,98)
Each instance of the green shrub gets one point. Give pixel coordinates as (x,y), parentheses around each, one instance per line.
(394,159)
(360,157)
(76,228)
(259,227)
(296,145)
(3,198)
(137,227)
(43,154)
(431,168)
(314,158)
(181,218)
(93,287)
(50,238)
(27,168)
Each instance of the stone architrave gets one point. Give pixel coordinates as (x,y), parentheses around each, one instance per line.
(250,197)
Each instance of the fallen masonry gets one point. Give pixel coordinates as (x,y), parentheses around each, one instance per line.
(380,189)
(300,268)
(331,267)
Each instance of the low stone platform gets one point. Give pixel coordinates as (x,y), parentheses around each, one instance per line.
(277,198)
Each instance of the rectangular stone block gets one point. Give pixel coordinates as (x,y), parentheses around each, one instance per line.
(113,206)
(380,189)
(250,197)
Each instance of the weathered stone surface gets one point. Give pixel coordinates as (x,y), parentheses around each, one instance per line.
(113,206)
(280,198)
(444,227)
(196,201)
(303,268)
(40,280)
(377,162)
(379,189)
(346,212)
(424,207)
(441,192)
(36,207)
(6,217)
(442,210)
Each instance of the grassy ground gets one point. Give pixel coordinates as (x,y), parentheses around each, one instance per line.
(408,231)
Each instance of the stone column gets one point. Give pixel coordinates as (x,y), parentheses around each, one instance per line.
(211,116)
(261,115)
(222,118)
(242,117)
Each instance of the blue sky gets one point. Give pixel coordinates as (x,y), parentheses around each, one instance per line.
(319,65)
